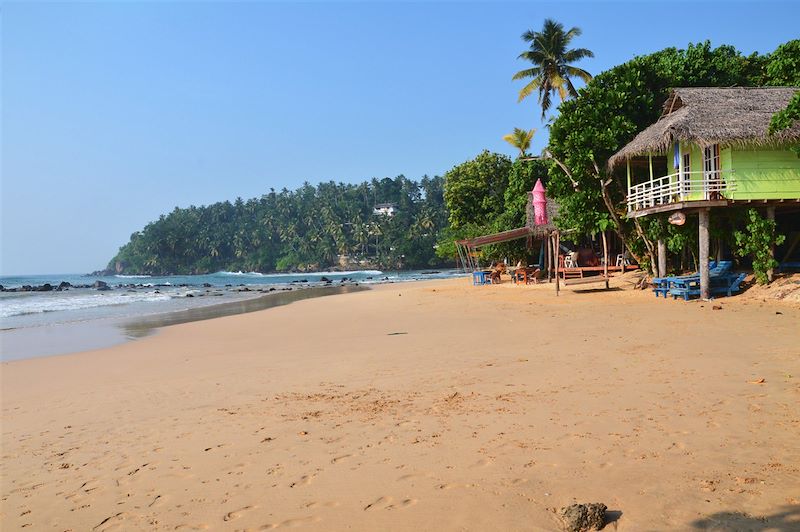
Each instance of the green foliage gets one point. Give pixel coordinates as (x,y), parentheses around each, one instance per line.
(303,229)
(617,104)
(783,65)
(756,241)
(520,139)
(474,190)
(551,58)
(785,118)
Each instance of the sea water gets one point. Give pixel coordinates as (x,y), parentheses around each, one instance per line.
(36,323)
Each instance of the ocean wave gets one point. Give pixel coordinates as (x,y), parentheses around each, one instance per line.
(241,274)
(51,303)
(133,276)
(300,274)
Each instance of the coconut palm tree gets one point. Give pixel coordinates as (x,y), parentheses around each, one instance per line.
(552,69)
(520,139)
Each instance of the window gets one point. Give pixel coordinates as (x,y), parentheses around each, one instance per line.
(686,175)
(711,175)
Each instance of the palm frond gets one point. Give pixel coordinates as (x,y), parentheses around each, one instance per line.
(528,89)
(527,73)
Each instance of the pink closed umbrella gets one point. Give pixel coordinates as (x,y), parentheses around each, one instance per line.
(539,203)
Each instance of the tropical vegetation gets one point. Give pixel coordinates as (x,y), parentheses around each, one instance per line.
(310,228)
(552,59)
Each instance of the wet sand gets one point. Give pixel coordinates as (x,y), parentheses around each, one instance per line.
(72,337)
(425,406)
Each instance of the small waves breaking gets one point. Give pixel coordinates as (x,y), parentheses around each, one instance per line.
(40,304)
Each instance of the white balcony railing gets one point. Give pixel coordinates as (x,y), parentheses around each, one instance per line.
(676,188)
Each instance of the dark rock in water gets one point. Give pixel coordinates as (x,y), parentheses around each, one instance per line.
(46,287)
(99,284)
(63,285)
(189,295)
(104,288)
(206,285)
(156,292)
(324,280)
(429,273)
(272,289)
(369,277)
(2,288)
(584,517)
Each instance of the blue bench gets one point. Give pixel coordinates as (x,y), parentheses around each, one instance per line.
(665,285)
(721,285)
(481,278)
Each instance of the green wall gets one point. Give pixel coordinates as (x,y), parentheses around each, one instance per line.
(764,174)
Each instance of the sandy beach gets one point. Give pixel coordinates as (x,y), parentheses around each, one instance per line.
(419,406)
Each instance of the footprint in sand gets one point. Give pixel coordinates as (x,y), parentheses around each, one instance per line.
(230,516)
(292,523)
(304,481)
(381,502)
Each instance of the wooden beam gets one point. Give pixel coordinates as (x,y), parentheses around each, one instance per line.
(662,258)
(555,259)
(605,258)
(703,241)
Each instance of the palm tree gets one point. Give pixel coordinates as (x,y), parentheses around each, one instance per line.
(551,60)
(520,139)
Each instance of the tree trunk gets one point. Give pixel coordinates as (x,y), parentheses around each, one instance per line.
(703,240)
(662,258)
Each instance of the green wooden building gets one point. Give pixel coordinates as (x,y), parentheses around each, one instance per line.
(710,149)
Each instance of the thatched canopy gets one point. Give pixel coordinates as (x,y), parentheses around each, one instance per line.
(710,115)
(541,231)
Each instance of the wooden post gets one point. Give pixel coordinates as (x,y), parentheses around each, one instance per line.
(555,259)
(703,240)
(548,263)
(605,258)
(662,258)
(771,216)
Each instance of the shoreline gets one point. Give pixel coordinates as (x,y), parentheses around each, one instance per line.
(414,406)
(66,338)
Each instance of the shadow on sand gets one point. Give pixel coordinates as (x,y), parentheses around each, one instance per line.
(787,519)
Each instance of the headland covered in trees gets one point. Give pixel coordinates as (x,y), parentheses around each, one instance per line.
(309,229)
(336,224)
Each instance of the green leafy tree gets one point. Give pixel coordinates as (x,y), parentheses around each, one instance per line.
(757,241)
(610,110)
(475,190)
(552,59)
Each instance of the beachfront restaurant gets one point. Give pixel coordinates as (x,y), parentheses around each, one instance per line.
(590,259)
(711,150)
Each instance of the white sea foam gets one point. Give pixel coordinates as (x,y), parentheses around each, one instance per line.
(297,274)
(40,303)
(133,276)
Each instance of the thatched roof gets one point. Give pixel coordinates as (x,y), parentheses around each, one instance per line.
(552,212)
(711,115)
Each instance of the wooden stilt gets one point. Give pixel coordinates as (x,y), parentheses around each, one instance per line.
(548,259)
(605,259)
(703,241)
(662,258)
(771,216)
(555,259)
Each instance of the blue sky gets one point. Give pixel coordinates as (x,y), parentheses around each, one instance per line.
(115,113)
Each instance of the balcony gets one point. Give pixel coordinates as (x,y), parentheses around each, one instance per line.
(675,191)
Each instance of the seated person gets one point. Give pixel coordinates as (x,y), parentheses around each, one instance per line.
(498,268)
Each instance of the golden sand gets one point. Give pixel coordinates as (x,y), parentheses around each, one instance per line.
(424,406)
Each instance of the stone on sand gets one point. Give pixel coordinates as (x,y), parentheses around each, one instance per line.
(583,517)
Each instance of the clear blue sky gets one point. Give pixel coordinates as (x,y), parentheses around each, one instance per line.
(114,113)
